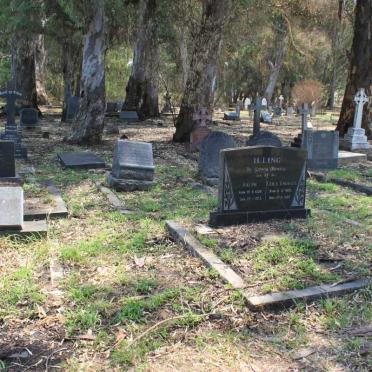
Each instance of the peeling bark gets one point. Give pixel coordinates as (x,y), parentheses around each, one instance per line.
(40,60)
(360,73)
(142,88)
(184,55)
(89,122)
(23,67)
(201,81)
(276,66)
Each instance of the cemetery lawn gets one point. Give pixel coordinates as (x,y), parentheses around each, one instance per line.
(130,298)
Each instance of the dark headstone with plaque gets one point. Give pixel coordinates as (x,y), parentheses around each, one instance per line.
(132,167)
(81,160)
(260,183)
(209,157)
(29,118)
(322,149)
(72,108)
(12,132)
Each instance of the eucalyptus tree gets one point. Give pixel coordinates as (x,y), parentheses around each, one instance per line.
(360,71)
(202,74)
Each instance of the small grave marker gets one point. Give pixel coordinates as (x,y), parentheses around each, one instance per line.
(132,167)
(29,118)
(81,160)
(260,183)
(72,108)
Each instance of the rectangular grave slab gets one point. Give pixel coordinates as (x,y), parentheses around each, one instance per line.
(322,149)
(81,160)
(130,116)
(260,183)
(7,160)
(132,167)
(11,208)
(29,118)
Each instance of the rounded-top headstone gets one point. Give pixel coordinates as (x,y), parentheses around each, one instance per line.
(264,139)
(209,158)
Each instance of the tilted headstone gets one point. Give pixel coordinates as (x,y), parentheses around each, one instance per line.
(81,160)
(11,208)
(29,118)
(7,160)
(12,132)
(129,116)
(264,139)
(209,156)
(260,183)
(355,138)
(322,149)
(72,108)
(132,167)
(266,117)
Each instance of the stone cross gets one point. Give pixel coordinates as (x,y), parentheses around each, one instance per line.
(281,99)
(304,111)
(257,116)
(360,100)
(202,116)
(11,96)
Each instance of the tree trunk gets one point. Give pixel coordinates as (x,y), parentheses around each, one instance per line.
(184,55)
(276,66)
(142,88)
(23,67)
(89,121)
(40,60)
(360,73)
(201,81)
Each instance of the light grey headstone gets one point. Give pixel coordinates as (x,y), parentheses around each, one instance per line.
(11,208)
(209,157)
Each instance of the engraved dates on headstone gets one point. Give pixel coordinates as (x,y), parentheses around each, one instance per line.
(260,183)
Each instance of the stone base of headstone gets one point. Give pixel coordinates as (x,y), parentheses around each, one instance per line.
(355,139)
(129,185)
(30,228)
(217,219)
(10,181)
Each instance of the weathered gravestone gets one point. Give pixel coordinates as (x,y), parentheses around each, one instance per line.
(278,111)
(132,167)
(7,162)
(266,117)
(12,133)
(264,139)
(72,108)
(260,183)
(201,117)
(11,208)
(81,160)
(209,156)
(129,116)
(355,138)
(322,149)
(29,118)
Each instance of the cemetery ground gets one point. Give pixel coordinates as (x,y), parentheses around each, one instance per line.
(111,291)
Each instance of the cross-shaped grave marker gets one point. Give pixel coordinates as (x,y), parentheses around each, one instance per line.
(257,116)
(360,99)
(304,110)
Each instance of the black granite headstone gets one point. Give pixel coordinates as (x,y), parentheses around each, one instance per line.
(29,118)
(72,108)
(264,139)
(260,183)
(322,149)
(209,157)
(81,160)
(7,160)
